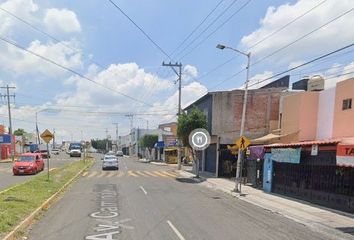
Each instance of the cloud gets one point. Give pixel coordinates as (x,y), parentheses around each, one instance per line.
(22,8)
(257,80)
(19,62)
(314,44)
(190,93)
(189,72)
(62,20)
(337,74)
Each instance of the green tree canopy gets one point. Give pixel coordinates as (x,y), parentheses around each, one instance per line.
(188,122)
(148,141)
(100,144)
(19,132)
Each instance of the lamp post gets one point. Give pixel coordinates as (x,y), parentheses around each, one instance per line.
(239,157)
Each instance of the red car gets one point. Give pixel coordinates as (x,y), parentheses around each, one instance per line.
(28,163)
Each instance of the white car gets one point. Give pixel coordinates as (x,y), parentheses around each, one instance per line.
(75,153)
(110,162)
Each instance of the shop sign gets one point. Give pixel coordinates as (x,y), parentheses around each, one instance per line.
(287,155)
(345,155)
(314,150)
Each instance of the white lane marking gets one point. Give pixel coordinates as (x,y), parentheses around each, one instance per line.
(179,235)
(142,189)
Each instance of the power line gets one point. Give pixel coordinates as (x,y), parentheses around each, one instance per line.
(304,64)
(197,27)
(288,24)
(141,30)
(265,38)
(71,70)
(216,29)
(205,29)
(48,35)
(303,36)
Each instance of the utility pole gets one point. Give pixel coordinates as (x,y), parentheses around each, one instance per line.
(106,139)
(10,120)
(179,80)
(53,138)
(117,125)
(37,131)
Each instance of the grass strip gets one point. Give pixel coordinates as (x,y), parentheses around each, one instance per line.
(19,202)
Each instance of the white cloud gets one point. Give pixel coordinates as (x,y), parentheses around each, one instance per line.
(337,33)
(22,8)
(189,72)
(62,20)
(338,74)
(257,80)
(22,63)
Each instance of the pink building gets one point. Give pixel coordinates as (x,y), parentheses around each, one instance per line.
(318,115)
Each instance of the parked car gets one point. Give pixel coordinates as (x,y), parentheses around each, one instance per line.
(28,163)
(44,153)
(110,162)
(119,154)
(75,153)
(55,151)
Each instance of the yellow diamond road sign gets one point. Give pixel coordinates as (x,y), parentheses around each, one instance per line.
(242,143)
(47,136)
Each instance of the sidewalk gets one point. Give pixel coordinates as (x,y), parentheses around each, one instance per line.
(319,219)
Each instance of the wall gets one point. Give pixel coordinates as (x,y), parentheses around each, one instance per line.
(299,116)
(343,119)
(325,114)
(262,110)
(204,104)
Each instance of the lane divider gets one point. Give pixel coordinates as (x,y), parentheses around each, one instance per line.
(142,189)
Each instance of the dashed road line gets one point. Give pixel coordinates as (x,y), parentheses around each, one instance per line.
(160,174)
(92,174)
(150,174)
(85,174)
(170,174)
(179,235)
(141,173)
(142,189)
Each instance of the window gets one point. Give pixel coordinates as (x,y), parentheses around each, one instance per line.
(347,104)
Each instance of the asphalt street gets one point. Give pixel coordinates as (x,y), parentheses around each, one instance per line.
(7,179)
(145,201)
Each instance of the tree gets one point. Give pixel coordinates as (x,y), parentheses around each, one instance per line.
(186,124)
(19,132)
(148,141)
(100,144)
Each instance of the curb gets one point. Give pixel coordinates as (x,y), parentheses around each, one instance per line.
(159,163)
(27,221)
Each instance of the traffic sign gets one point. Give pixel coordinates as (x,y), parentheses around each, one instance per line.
(199,139)
(47,136)
(243,142)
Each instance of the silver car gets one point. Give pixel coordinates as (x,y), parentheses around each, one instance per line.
(110,162)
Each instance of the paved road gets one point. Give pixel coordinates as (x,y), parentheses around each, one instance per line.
(145,201)
(7,179)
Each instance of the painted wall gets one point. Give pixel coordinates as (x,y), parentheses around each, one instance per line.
(343,119)
(325,114)
(299,117)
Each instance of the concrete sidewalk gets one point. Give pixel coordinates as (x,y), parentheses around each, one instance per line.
(319,219)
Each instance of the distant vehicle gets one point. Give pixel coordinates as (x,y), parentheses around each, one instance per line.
(75,149)
(111,153)
(28,163)
(44,153)
(119,154)
(55,151)
(110,162)
(75,153)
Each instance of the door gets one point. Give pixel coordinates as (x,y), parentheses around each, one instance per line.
(267,172)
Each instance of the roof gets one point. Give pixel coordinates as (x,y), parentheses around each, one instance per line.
(305,143)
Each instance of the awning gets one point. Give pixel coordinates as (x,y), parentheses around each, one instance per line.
(265,138)
(170,149)
(304,143)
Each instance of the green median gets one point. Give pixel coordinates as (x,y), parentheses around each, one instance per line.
(20,201)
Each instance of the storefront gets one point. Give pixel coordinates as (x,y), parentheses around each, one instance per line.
(314,171)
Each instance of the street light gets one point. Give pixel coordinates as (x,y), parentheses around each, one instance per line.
(239,157)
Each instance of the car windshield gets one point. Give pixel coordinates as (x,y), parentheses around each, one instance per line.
(108,158)
(26,159)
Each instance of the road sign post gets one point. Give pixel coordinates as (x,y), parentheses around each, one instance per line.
(47,136)
(242,143)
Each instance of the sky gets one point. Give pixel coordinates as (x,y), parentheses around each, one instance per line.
(83,65)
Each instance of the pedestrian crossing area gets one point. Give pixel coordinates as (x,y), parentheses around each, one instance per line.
(136,173)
